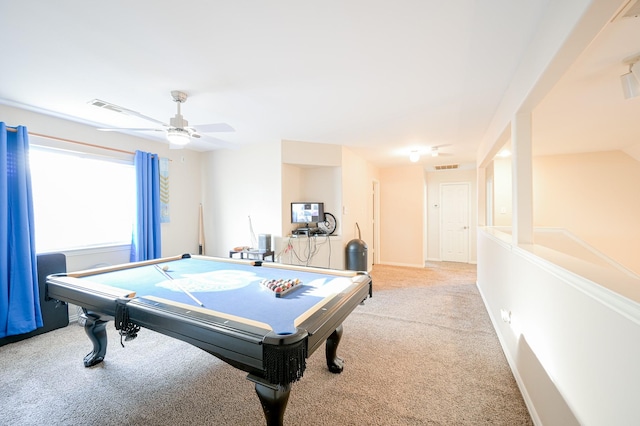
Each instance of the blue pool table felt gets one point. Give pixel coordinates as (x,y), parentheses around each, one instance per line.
(229,288)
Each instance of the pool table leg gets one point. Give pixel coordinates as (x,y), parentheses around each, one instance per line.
(95,328)
(334,363)
(274,402)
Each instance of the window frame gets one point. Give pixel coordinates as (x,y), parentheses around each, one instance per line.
(117,158)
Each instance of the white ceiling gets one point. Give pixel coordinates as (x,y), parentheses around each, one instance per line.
(381,77)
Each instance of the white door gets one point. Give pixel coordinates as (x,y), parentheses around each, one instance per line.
(454,217)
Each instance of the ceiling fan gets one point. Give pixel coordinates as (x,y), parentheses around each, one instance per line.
(435,150)
(178,131)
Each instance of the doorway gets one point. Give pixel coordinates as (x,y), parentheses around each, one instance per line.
(454,222)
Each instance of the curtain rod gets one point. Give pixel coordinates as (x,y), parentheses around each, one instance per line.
(13,129)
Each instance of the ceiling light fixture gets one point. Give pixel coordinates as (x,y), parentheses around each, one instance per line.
(177,136)
(635,69)
(434,152)
(631,81)
(414,156)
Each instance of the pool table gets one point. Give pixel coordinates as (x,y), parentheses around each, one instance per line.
(227,307)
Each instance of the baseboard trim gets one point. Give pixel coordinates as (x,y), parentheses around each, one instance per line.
(407,265)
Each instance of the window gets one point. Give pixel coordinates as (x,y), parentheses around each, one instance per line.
(79,200)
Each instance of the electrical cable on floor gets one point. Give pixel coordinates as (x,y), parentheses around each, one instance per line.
(310,251)
(309,254)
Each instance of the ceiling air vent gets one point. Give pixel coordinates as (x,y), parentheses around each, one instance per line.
(447,167)
(107,105)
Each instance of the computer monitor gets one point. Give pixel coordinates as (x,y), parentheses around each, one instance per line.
(307,212)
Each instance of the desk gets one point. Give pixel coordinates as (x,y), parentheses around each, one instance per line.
(255,254)
(241,322)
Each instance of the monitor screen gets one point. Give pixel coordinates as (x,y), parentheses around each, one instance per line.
(307,212)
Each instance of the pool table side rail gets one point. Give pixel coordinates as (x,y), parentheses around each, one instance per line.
(221,317)
(321,324)
(101,298)
(233,342)
(323,271)
(123,266)
(238,344)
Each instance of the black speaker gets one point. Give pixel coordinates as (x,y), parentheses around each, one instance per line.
(54,315)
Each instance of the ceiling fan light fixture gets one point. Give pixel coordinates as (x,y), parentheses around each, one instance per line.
(631,82)
(630,86)
(635,70)
(178,137)
(414,156)
(434,152)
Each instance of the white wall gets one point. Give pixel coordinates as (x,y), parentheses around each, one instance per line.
(502,192)
(402,197)
(595,196)
(343,181)
(185,191)
(321,251)
(237,185)
(311,154)
(311,183)
(408,195)
(579,339)
(357,201)
(569,348)
(322,184)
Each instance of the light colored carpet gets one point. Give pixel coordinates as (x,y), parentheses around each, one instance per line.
(422,351)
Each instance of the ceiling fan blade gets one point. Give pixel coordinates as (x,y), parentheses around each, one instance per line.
(122,110)
(215,127)
(116,129)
